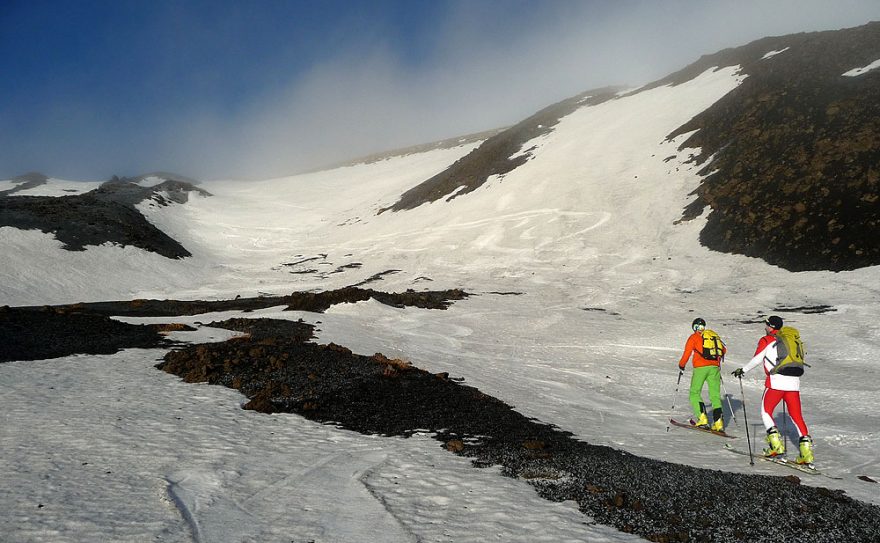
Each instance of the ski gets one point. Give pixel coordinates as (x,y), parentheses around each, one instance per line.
(780,460)
(707,430)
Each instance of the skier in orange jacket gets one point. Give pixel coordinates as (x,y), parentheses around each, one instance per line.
(706,370)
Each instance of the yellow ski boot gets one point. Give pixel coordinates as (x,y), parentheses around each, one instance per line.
(806,449)
(777,447)
(718,425)
(701,422)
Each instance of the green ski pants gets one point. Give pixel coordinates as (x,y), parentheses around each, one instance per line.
(712,375)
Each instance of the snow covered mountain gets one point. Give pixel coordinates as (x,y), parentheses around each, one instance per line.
(590,234)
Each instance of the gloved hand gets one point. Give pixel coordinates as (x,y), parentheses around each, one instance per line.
(738,372)
(681,368)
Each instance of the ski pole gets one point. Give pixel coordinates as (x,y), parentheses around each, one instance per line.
(675,396)
(746,417)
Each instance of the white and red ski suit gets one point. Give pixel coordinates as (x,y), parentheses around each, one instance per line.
(778,387)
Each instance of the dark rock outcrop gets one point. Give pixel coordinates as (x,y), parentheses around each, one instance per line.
(104,215)
(128,192)
(87,219)
(793,154)
(52,332)
(40,332)
(297,301)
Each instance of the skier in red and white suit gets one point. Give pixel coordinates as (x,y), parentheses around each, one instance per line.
(778,388)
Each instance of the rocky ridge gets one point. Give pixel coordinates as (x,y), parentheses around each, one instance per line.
(792,155)
(107,214)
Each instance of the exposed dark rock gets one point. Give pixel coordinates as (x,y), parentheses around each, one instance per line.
(807,309)
(492,157)
(793,176)
(602,310)
(258,329)
(127,192)
(297,301)
(656,500)
(87,219)
(39,332)
(378,277)
(104,215)
(52,332)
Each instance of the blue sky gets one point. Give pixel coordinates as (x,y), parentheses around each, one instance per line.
(262,88)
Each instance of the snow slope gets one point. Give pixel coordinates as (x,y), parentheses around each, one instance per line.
(586,288)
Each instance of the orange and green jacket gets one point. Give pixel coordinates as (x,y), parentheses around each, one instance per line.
(694,346)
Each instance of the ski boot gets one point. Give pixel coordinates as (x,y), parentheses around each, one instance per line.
(701,422)
(718,425)
(777,447)
(806,447)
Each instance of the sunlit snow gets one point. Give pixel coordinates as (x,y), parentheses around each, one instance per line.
(855,72)
(772,54)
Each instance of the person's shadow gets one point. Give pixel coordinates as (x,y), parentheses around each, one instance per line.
(736,423)
(790,437)
(785,425)
(733,418)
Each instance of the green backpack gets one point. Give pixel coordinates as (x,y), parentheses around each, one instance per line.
(789,352)
(713,347)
